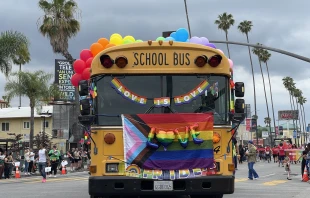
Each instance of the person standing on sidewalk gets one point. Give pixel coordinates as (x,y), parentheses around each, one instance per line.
(27,161)
(1,164)
(54,158)
(43,162)
(251,153)
(31,157)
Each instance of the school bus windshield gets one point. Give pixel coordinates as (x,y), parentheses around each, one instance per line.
(110,104)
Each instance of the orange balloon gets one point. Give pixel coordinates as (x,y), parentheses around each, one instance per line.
(95,48)
(110,45)
(103,41)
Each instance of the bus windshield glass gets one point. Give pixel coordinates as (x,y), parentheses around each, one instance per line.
(110,103)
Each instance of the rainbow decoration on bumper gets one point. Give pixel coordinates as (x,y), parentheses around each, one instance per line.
(127,94)
(181,152)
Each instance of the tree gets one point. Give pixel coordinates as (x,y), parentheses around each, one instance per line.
(15,145)
(245,27)
(12,44)
(224,22)
(21,58)
(267,121)
(258,52)
(59,24)
(7,100)
(255,117)
(289,84)
(265,58)
(298,93)
(303,100)
(42,138)
(34,85)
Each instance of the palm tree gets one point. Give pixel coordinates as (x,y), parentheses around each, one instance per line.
(267,121)
(288,82)
(304,100)
(21,58)
(59,24)
(35,86)
(265,58)
(298,93)
(258,52)
(12,44)
(245,27)
(224,22)
(300,102)
(7,100)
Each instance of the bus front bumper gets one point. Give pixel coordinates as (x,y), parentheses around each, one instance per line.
(122,185)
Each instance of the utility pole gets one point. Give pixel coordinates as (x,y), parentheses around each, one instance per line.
(188,25)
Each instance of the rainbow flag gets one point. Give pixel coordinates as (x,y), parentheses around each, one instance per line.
(136,129)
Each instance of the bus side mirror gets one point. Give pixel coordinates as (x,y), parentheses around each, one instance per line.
(239,106)
(239,89)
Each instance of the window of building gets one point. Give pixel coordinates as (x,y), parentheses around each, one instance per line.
(26,125)
(5,126)
(45,125)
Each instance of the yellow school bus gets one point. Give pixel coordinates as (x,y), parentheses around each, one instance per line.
(163,117)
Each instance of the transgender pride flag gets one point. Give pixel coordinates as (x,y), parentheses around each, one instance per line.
(137,127)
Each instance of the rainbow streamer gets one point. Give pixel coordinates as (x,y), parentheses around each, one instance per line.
(127,94)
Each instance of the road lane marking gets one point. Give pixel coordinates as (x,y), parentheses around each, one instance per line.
(268,175)
(38,179)
(60,179)
(274,182)
(241,180)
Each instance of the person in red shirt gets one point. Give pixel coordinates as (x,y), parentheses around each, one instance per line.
(275,153)
(268,153)
(281,154)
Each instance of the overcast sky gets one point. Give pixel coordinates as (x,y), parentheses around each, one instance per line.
(284,26)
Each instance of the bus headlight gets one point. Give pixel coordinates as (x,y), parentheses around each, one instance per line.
(112,168)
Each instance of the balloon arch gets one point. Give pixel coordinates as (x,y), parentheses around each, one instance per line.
(82,66)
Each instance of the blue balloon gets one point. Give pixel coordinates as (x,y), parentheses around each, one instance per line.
(182,35)
(169,39)
(187,40)
(173,35)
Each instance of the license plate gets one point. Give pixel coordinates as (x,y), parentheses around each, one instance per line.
(163,185)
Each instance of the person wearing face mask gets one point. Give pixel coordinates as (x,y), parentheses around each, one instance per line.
(54,159)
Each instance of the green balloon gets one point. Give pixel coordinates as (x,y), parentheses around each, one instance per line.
(139,41)
(127,41)
(160,38)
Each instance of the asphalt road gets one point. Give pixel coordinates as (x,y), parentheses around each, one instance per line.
(272,183)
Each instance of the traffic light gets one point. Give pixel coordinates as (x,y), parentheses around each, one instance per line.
(84,99)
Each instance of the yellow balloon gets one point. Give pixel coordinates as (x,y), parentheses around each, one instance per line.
(116,40)
(131,38)
(116,35)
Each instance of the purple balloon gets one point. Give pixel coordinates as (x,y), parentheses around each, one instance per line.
(204,40)
(211,45)
(196,40)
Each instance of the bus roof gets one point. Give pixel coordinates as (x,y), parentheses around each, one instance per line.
(157,57)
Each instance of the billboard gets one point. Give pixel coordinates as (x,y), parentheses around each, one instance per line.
(288,115)
(248,124)
(265,134)
(63,73)
(253,125)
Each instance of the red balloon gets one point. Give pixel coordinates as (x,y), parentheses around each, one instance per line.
(75,79)
(85,54)
(79,66)
(86,74)
(88,62)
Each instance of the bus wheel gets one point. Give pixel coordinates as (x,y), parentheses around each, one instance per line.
(206,196)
